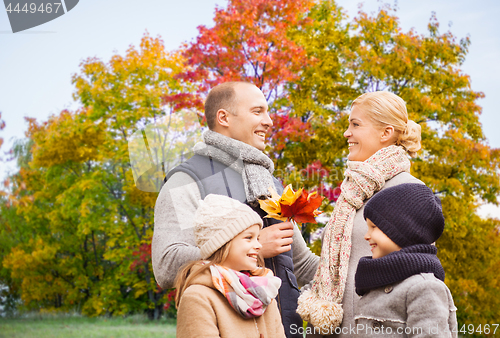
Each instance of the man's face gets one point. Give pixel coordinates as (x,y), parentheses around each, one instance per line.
(251,121)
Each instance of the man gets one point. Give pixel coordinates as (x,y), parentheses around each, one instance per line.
(231,162)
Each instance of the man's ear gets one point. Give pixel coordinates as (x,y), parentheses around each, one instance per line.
(222,117)
(387,134)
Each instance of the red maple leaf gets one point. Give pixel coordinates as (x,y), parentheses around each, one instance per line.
(304,209)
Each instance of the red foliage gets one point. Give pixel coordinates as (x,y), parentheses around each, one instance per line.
(170,300)
(183,100)
(142,256)
(288,129)
(316,169)
(304,208)
(249,42)
(332,194)
(2,126)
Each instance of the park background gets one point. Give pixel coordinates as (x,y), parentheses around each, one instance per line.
(75,231)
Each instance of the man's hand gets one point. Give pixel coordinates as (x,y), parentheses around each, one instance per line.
(276,239)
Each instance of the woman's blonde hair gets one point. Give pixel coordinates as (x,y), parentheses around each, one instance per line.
(184,276)
(388,109)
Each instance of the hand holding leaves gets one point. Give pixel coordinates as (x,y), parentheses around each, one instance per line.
(297,205)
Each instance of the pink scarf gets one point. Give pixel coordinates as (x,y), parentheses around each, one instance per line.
(248,295)
(321,305)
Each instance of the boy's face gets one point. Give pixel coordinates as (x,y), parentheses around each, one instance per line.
(380,244)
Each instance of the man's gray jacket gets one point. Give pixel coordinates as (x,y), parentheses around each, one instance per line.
(173,240)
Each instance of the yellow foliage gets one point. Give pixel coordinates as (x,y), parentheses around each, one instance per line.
(58,141)
(140,288)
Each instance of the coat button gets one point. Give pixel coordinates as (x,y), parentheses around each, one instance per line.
(376,325)
(388,289)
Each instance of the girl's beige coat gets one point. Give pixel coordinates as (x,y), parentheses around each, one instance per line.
(205,312)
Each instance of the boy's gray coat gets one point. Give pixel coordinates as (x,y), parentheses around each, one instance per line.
(359,248)
(419,306)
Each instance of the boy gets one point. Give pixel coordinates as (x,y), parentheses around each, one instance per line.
(402,289)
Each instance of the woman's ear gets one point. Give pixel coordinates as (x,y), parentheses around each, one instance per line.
(388,134)
(221,118)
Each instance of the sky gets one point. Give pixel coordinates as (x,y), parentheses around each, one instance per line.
(36,65)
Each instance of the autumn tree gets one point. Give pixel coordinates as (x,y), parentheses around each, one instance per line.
(9,237)
(87,228)
(249,41)
(2,126)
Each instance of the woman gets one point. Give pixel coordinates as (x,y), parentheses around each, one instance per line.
(380,138)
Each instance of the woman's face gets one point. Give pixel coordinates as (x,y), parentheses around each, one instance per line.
(364,139)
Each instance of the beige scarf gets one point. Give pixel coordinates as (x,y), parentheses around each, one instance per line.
(321,305)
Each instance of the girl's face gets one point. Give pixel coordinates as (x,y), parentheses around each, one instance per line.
(380,244)
(243,250)
(364,139)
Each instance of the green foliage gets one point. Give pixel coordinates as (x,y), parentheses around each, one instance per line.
(469,250)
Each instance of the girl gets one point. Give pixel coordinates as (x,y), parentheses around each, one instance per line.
(228,293)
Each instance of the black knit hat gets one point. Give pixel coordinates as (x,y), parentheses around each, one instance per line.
(408,214)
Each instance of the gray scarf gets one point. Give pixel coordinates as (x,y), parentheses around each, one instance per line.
(254,166)
(397,266)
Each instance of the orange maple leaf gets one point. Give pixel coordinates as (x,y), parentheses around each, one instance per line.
(297,205)
(303,210)
(272,206)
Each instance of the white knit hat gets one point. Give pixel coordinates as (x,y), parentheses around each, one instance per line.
(218,220)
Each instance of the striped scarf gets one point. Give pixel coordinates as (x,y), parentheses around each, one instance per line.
(321,305)
(248,295)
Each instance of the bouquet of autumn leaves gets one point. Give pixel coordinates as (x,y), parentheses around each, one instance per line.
(299,205)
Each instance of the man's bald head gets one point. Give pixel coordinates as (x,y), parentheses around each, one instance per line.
(222,96)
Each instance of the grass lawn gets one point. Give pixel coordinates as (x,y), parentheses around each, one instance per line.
(83,327)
